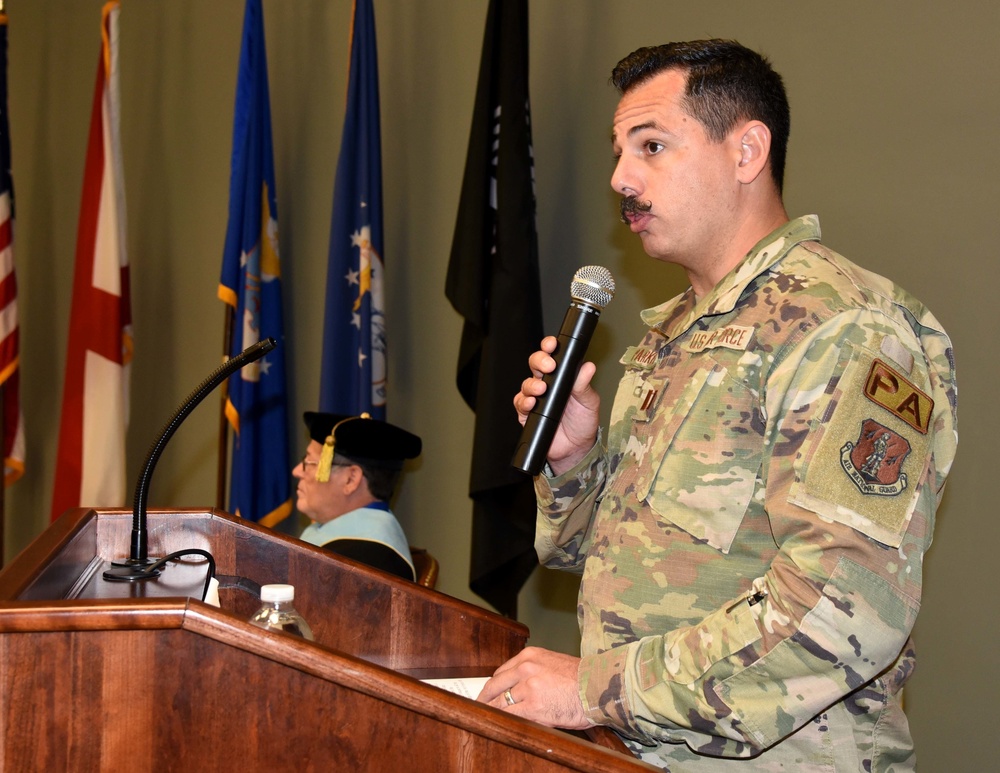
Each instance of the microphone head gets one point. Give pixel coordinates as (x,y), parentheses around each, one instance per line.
(593,285)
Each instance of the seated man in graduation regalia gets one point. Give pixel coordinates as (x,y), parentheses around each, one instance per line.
(346,480)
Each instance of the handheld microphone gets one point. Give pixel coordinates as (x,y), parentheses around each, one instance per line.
(592,289)
(138,566)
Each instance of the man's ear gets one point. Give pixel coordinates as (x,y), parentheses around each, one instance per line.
(755,149)
(353,480)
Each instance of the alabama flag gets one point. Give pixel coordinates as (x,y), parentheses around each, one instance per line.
(90,462)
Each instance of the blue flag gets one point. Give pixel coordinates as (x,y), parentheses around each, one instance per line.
(260,487)
(353,376)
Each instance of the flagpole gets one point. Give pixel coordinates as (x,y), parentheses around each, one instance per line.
(227,342)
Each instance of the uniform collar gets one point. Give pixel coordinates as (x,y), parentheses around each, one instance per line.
(677,315)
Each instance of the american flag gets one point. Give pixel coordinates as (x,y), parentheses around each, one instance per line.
(13,424)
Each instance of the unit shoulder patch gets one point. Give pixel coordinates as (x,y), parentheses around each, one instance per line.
(874,461)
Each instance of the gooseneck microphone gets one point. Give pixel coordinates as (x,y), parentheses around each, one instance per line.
(138,566)
(592,289)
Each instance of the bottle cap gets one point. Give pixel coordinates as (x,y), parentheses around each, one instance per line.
(277,592)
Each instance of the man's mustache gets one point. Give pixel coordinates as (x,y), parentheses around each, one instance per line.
(632,206)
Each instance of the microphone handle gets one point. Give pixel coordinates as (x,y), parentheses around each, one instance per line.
(540,427)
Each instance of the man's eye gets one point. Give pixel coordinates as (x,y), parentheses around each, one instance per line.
(653,147)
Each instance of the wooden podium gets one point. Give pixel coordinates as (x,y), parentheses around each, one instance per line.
(110,676)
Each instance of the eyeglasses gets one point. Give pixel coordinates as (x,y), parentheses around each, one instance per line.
(307,462)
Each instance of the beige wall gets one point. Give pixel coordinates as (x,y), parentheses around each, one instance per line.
(895,106)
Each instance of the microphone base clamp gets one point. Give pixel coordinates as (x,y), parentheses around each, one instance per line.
(132,570)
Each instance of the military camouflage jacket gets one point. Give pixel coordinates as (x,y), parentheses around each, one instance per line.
(751,539)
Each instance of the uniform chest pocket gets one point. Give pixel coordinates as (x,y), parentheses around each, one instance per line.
(701,470)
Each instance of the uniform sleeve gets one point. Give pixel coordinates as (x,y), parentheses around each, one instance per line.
(859,435)
(566,507)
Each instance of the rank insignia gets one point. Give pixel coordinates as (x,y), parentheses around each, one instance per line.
(875,461)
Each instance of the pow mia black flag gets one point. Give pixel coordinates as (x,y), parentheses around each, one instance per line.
(493,283)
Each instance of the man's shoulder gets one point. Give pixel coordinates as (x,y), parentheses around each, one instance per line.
(812,272)
(823,283)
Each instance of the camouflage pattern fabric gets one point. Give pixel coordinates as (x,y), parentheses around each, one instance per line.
(752,538)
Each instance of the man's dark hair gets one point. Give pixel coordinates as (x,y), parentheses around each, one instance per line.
(381,481)
(726,83)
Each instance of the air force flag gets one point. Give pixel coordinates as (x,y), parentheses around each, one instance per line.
(353,377)
(251,283)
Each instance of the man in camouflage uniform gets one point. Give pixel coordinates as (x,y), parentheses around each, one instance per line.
(751,535)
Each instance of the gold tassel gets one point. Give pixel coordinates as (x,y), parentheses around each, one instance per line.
(325,460)
(326,455)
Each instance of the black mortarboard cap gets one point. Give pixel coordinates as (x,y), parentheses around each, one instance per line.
(362,439)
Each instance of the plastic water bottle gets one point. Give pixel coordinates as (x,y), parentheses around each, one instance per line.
(278,614)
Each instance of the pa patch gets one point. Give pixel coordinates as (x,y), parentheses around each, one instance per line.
(874,461)
(885,386)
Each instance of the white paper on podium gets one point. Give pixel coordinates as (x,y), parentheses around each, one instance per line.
(467,687)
